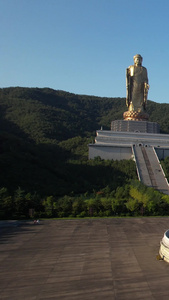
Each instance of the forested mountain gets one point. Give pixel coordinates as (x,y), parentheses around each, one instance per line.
(44,136)
(48,116)
(45,115)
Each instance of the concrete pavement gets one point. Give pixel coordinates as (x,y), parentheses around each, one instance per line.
(83,259)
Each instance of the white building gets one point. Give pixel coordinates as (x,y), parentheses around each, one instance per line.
(137,140)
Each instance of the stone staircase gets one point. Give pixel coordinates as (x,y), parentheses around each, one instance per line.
(149,168)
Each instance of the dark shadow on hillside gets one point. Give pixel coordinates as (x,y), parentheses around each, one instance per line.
(86,177)
(34,168)
(23,163)
(8,127)
(43,168)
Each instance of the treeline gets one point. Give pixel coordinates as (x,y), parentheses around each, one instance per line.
(132,199)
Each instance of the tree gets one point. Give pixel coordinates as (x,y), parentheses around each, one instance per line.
(79,207)
(49,205)
(93,206)
(6,204)
(64,206)
(21,203)
(132,205)
(118,206)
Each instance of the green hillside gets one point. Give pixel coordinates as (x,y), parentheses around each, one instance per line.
(45,115)
(44,137)
(48,116)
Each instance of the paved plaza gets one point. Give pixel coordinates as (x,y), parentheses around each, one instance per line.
(85,259)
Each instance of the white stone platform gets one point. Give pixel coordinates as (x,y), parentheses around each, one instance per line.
(118,145)
(145,148)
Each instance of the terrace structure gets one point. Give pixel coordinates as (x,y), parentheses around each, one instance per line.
(135,137)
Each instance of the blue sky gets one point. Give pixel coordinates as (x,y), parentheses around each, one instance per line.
(84,46)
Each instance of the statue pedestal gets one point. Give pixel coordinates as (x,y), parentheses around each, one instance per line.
(135,126)
(135,116)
